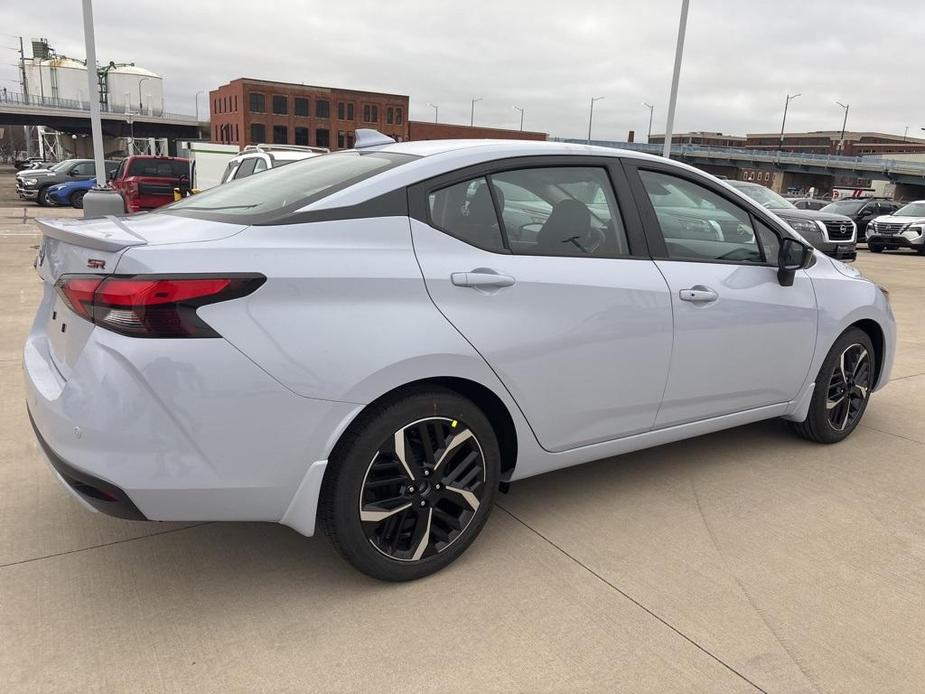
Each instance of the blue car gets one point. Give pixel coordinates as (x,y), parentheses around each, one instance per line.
(70,193)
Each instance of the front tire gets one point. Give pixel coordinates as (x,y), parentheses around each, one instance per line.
(842,389)
(77,199)
(411,484)
(42,198)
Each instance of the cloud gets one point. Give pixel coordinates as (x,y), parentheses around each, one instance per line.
(741,58)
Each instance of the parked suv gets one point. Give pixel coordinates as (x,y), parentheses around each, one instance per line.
(256,158)
(33,184)
(833,234)
(146,182)
(374,342)
(862,210)
(905,228)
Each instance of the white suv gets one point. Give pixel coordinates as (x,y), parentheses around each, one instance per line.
(905,228)
(256,158)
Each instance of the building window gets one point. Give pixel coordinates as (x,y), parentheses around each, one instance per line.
(235,103)
(341,110)
(300,107)
(301,136)
(370,113)
(390,115)
(323,109)
(398,115)
(322,137)
(258,103)
(236,133)
(280,135)
(258,133)
(280,105)
(350,115)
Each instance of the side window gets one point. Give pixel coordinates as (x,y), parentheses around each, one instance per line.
(229,171)
(246,168)
(85,168)
(770,242)
(259,164)
(560,211)
(465,211)
(698,224)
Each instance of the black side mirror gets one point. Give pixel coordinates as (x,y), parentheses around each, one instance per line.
(793,256)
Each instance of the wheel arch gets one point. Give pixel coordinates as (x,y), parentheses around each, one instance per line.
(874,331)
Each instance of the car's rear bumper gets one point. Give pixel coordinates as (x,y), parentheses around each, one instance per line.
(175,429)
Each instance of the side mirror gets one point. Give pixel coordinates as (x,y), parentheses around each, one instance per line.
(793,256)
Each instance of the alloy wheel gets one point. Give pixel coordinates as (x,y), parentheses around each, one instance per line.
(849,387)
(422,488)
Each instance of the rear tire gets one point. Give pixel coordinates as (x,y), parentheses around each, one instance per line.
(410,485)
(875,248)
(842,389)
(77,199)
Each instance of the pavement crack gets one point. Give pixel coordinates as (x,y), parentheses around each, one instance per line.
(891,433)
(104,544)
(633,600)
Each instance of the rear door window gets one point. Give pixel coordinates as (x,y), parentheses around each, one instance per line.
(246,168)
(466,211)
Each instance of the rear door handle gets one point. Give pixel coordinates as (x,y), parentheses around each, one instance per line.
(698,294)
(481,277)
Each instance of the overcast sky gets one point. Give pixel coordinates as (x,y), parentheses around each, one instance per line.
(741,57)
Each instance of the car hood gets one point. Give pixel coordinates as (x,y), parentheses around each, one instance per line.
(34,172)
(814,215)
(893,219)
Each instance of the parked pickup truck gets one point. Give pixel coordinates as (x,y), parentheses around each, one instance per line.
(147,182)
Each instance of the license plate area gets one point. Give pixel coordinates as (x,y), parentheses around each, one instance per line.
(67,334)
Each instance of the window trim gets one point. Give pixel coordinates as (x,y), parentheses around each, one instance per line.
(419,209)
(653,229)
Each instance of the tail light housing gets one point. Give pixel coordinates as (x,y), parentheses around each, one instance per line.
(152,306)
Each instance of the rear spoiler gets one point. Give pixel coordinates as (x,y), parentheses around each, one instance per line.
(102,233)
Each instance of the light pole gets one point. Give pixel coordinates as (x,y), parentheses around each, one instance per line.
(843,123)
(436,111)
(591,116)
(131,124)
(780,143)
(651,111)
(519,108)
(472,111)
(141,106)
(906,134)
(675,78)
(201,91)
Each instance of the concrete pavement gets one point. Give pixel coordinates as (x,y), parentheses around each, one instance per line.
(748,560)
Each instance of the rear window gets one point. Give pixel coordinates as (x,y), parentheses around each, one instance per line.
(281,190)
(161,168)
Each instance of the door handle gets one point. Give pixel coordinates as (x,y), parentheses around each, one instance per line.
(698,294)
(481,277)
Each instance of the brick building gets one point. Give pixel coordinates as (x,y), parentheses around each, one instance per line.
(425,130)
(708,139)
(251,111)
(830,142)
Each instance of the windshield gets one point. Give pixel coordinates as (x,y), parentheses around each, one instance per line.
(765,197)
(60,165)
(280,190)
(913,209)
(844,206)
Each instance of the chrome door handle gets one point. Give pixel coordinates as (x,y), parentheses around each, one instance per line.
(481,277)
(698,294)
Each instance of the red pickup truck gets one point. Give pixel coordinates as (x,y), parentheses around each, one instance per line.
(146,182)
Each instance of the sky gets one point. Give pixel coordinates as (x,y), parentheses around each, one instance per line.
(741,57)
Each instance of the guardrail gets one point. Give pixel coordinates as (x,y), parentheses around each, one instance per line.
(834,161)
(16,99)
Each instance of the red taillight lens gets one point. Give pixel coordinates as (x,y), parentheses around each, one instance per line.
(152,306)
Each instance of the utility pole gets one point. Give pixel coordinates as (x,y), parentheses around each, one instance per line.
(843,124)
(780,144)
(675,78)
(591,116)
(436,109)
(519,108)
(651,111)
(26,131)
(472,111)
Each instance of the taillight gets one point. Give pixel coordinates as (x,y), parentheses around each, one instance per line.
(158,306)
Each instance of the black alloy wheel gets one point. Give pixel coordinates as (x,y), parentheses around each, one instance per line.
(422,488)
(849,388)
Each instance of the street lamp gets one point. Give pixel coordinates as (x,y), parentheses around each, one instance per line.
(651,111)
(780,144)
(844,122)
(519,108)
(472,111)
(201,91)
(591,116)
(436,110)
(141,106)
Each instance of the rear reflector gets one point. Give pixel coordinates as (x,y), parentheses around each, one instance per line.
(159,306)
